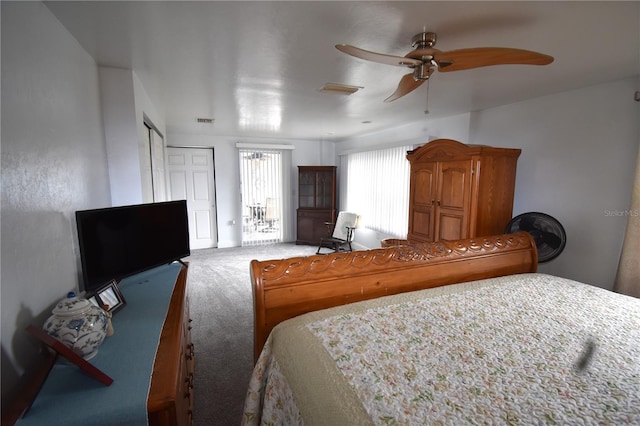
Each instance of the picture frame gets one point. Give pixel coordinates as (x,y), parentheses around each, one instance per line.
(110,295)
(70,355)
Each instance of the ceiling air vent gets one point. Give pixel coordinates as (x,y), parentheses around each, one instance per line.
(205,120)
(340,89)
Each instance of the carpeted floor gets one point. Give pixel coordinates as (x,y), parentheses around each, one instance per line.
(221,304)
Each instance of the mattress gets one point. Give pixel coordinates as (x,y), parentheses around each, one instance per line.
(522,349)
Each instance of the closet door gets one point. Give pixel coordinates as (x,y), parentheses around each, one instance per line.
(192,178)
(453,200)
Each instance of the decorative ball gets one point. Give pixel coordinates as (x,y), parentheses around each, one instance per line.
(79,324)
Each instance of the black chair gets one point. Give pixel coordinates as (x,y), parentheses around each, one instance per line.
(343,233)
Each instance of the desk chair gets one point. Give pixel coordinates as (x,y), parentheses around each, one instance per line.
(343,233)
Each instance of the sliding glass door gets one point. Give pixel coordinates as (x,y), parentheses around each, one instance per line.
(261,182)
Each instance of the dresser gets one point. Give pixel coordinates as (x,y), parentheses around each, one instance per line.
(170,400)
(150,358)
(316,202)
(460,191)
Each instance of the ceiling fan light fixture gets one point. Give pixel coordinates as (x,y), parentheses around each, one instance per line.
(423,72)
(340,89)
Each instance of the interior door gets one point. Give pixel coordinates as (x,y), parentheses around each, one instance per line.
(191,178)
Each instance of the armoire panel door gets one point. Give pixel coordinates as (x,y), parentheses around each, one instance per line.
(453,200)
(451,226)
(423,224)
(423,187)
(454,185)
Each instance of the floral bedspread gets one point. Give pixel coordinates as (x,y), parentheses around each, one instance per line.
(269,399)
(528,349)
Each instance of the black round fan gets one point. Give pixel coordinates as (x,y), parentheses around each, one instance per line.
(546,231)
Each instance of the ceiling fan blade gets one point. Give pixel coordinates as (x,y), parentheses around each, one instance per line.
(407,84)
(464,59)
(377,57)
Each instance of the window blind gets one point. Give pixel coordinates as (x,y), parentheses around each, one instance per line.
(378,189)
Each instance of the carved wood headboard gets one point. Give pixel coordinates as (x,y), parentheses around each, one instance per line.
(286,288)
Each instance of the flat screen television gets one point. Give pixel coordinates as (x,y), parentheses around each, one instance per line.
(118,242)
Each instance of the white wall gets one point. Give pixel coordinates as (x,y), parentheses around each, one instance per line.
(53,163)
(416,133)
(125,105)
(118,109)
(145,108)
(577,163)
(227,173)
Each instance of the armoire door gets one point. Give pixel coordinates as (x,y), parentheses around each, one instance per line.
(453,199)
(422,218)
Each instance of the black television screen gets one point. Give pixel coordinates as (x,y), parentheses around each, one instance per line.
(117,242)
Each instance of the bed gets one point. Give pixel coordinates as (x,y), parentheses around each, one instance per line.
(455,332)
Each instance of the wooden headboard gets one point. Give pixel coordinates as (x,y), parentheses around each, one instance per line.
(286,288)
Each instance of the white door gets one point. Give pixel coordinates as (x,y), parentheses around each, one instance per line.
(191,178)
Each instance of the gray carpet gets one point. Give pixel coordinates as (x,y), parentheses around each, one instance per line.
(221,304)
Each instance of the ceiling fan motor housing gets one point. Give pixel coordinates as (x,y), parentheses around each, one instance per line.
(423,44)
(423,40)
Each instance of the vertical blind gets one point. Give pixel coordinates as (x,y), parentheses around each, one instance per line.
(378,189)
(261,194)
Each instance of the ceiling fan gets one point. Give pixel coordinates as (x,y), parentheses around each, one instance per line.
(425,59)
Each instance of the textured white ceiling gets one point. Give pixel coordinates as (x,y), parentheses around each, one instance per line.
(256,67)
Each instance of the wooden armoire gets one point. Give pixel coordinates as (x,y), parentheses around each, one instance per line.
(460,191)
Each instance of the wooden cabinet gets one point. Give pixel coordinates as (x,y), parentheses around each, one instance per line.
(316,202)
(170,400)
(460,191)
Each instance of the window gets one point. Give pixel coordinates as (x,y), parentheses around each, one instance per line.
(377,188)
